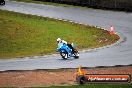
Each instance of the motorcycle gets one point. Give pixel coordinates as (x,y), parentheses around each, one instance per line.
(67,52)
(2,2)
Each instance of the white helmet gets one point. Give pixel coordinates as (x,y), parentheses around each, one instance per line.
(58,39)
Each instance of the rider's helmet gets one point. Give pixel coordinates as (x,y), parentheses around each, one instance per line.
(58,40)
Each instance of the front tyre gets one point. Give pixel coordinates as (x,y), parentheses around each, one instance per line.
(64,55)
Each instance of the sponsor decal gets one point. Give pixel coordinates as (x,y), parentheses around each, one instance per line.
(108,78)
(82,77)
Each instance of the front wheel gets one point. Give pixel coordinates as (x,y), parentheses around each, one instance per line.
(64,55)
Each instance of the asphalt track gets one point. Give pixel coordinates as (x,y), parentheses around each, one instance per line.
(119,53)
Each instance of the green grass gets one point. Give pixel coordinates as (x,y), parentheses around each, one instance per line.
(27,35)
(93,86)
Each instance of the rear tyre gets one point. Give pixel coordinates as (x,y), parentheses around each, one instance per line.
(81,80)
(64,55)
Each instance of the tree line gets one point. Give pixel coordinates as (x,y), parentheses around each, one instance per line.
(104,4)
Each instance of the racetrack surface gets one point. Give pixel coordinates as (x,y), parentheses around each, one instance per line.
(119,53)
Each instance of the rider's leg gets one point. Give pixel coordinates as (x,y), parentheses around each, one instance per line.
(70,46)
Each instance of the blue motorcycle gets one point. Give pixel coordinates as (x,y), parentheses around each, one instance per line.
(67,52)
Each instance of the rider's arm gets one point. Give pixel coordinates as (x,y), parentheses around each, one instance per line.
(64,41)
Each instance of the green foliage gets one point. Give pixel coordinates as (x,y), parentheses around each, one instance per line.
(96,86)
(46,3)
(125,5)
(93,86)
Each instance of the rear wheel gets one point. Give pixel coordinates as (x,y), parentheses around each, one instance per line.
(64,54)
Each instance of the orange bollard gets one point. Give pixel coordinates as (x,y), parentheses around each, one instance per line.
(112,30)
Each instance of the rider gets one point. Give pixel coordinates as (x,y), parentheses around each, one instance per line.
(64,42)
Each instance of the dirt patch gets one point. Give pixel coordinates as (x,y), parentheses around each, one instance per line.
(53,77)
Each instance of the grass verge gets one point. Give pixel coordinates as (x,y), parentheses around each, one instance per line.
(28,35)
(93,85)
